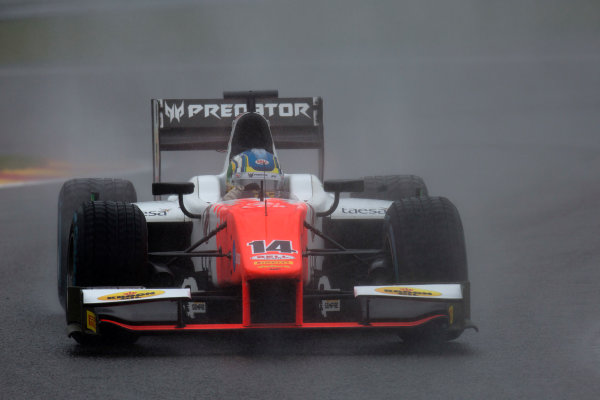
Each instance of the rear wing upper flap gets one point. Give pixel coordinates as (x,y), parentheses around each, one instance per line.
(205,124)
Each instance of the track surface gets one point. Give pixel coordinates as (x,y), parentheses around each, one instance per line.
(508,133)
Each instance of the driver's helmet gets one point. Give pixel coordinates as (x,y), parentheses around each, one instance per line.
(248,169)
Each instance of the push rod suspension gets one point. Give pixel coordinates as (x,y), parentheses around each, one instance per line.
(200,242)
(343,250)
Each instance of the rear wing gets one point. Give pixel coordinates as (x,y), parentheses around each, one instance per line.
(205,124)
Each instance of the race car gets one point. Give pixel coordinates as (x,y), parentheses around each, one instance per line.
(257,247)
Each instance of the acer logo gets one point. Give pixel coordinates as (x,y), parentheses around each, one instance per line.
(277,246)
(174,112)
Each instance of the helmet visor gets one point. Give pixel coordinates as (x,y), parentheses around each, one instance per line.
(252,181)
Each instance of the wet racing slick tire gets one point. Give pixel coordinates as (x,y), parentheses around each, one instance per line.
(366,233)
(425,239)
(108,246)
(392,187)
(72,194)
(424,242)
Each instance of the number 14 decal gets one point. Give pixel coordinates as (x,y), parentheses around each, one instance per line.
(279,246)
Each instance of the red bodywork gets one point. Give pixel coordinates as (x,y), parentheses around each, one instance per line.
(266,240)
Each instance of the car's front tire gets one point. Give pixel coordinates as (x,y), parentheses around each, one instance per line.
(73,193)
(424,243)
(108,245)
(424,238)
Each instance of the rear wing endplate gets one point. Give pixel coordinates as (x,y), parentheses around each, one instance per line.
(205,124)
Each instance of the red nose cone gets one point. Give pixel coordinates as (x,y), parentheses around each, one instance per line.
(264,243)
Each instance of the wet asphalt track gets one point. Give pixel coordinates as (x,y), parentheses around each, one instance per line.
(507,130)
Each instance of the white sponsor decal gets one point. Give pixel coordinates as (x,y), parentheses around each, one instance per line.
(260,204)
(364,211)
(278,246)
(156,213)
(174,112)
(272,257)
(329,306)
(283,110)
(195,307)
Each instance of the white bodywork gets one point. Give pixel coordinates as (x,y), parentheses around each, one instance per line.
(209,190)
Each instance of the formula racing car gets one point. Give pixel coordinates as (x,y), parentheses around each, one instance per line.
(257,247)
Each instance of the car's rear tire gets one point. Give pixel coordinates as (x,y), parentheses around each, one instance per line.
(366,233)
(108,245)
(424,242)
(72,194)
(392,187)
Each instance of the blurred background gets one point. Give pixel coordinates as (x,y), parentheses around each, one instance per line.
(408,86)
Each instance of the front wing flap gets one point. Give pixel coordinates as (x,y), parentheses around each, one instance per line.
(144,310)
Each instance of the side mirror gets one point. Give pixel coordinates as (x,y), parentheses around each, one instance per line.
(340,185)
(344,185)
(179,188)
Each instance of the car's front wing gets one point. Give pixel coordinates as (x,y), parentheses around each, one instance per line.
(155,310)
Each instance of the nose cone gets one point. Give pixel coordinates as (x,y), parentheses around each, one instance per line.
(265,246)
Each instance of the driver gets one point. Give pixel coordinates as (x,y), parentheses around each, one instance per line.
(248,169)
